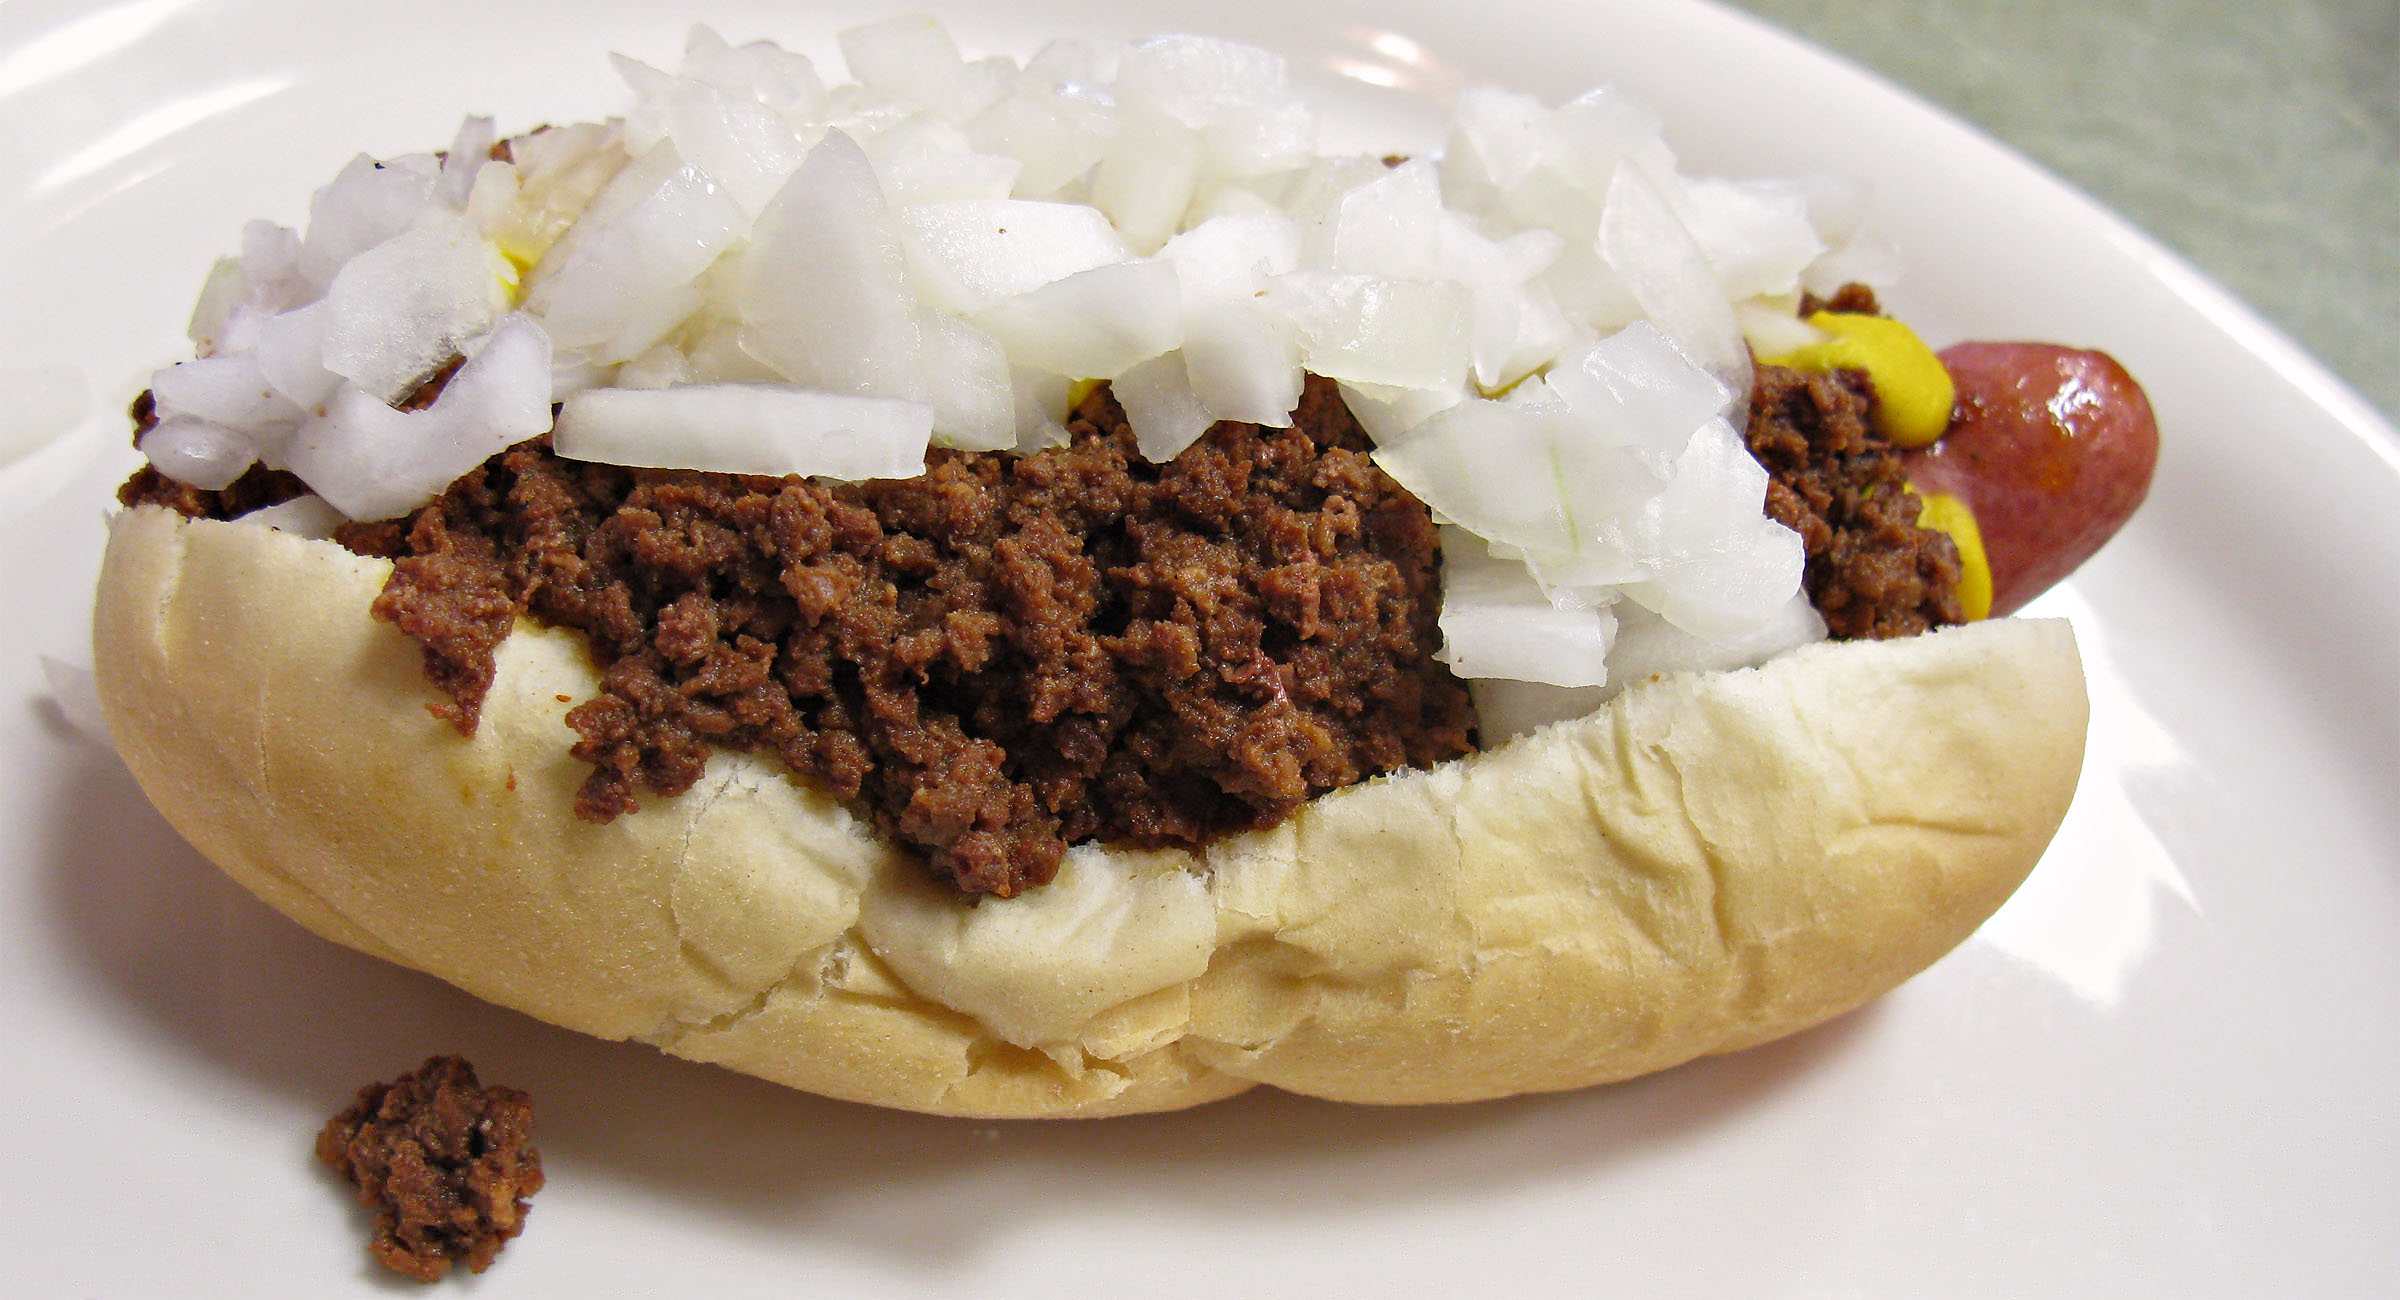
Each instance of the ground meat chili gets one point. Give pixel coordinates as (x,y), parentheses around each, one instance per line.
(1870,570)
(1006,656)
(997,659)
(446,1164)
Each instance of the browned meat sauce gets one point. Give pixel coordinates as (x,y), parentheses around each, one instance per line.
(997,659)
(1870,570)
(1832,479)
(1010,655)
(446,1164)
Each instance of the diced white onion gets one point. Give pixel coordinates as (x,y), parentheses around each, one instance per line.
(1497,622)
(557,174)
(1505,709)
(192,450)
(967,384)
(368,203)
(1648,645)
(1644,242)
(1370,330)
(1148,176)
(1388,413)
(772,429)
(741,144)
(372,462)
(1755,233)
(1772,330)
(1055,138)
(1491,143)
(1238,96)
(228,390)
(1722,567)
(1495,277)
(1490,467)
(1589,139)
(398,310)
(1231,257)
(660,367)
(572,372)
(469,150)
(1242,363)
(1074,66)
(1643,386)
(622,277)
(1041,402)
(271,257)
(221,295)
(1094,324)
(782,80)
(924,161)
(1158,401)
(912,58)
(973,253)
(1200,79)
(826,300)
(290,350)
(717,357)
(1388,227)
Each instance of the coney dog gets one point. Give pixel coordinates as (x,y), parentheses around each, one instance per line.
(1708,860)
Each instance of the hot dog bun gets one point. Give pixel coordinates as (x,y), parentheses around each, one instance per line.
(1706,863)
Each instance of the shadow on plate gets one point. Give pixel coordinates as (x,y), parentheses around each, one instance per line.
(202,970)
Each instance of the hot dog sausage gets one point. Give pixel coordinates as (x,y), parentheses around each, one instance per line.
(2051,447)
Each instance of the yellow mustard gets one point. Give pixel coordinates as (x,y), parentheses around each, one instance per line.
(1913,393)
(1947,514)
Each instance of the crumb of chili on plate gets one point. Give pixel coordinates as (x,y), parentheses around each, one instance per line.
(447,1165)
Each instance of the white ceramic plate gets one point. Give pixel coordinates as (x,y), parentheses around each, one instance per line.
(2166,1069)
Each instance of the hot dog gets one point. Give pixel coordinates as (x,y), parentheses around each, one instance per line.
(2052,448)
(1708,860)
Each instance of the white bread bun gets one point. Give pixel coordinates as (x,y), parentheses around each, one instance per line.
(1706,863)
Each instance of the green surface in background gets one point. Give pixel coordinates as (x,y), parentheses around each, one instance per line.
(2258,138)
